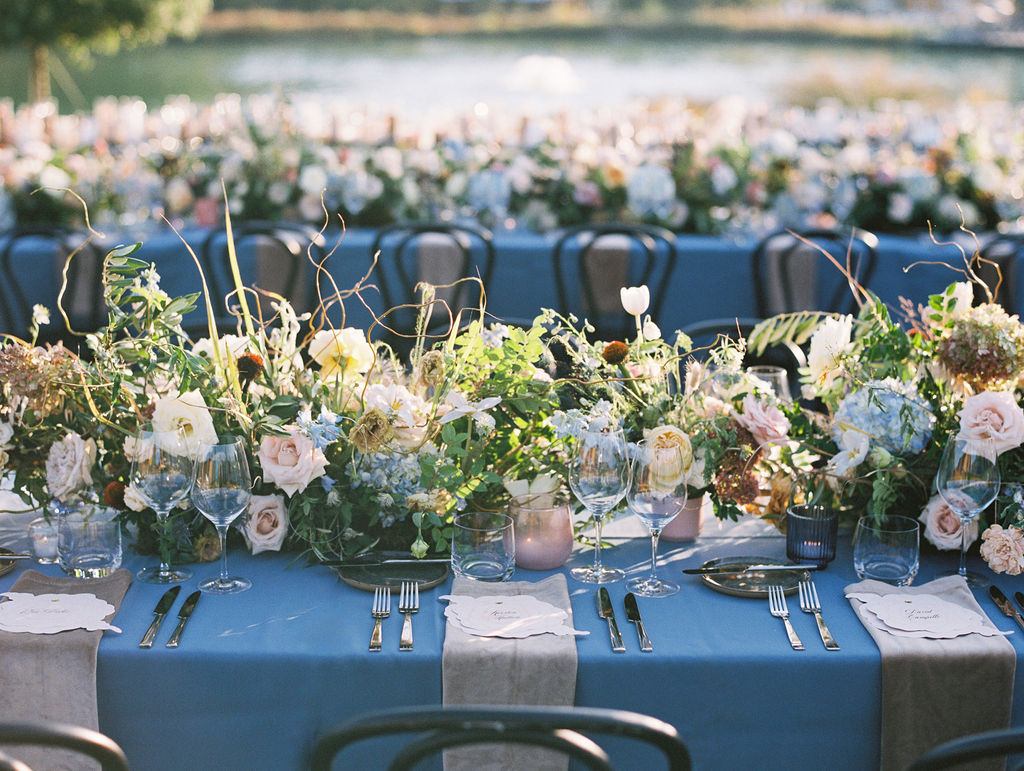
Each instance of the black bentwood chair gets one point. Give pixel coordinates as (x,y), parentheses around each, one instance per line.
(791,273)
(988,745)
(437,253)
(60,736)
(556,728)
(606,258)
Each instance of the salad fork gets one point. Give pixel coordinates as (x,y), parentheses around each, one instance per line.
(779,609)
(809,603)
(381,610)
(408,603)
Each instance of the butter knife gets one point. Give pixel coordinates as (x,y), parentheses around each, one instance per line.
(1004,605)
(722,569)
(633,615)
(183,616)
(604,607)
(158,615)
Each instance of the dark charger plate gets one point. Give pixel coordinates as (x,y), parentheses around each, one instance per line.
(369,577)
(754,583)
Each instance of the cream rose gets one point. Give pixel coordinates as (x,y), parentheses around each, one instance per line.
(133,500)
(765,421)
(341,353)
(267,523)
(942,527)
(291,462)
(1003,549)
(683,466)
(188,414)
(992,415)
(6,435)
(69,466)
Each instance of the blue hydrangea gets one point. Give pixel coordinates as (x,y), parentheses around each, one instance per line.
(890,413)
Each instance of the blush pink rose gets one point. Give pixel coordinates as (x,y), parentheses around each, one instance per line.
(291,462)
(942,527)
(992,415)
(765,421)
(267,523)
(1003,549)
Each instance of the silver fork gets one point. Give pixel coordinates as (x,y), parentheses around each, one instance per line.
(809,603)
(408,603)
(381,610)
(777,605)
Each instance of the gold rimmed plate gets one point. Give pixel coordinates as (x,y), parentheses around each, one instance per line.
(374,574)
(752,583)
(6,566)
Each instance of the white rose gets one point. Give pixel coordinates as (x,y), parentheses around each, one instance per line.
(133,500)
(341,353)
(186,413)
(676,468)
(267,523)
(6,435)
(69,466)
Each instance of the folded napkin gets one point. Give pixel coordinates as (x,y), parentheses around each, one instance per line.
(53,676)
(533,671)
(935,690)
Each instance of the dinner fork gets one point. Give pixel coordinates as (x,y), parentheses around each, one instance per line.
(381,610)
(408,603)
(777,605)
(809,603)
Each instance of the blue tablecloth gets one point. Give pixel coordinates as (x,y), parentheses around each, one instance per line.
(261,674)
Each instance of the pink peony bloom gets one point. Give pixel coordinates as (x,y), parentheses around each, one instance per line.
(1003,549)
(765,421)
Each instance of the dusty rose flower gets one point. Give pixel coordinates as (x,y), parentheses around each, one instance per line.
(372,431)
(267,523)
(992,415)
(943,527)
(765,421)
(69,466)
(291,462)
(1003,549)
(206,548)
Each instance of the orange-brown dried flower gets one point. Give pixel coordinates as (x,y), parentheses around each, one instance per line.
(113,495)
(615,352)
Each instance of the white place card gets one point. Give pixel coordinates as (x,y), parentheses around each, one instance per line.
(922,615)
(513,616)
(52,613)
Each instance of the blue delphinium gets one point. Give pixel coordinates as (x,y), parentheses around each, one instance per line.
(890,413)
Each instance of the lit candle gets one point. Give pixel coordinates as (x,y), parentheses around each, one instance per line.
(43,537)
(543,531)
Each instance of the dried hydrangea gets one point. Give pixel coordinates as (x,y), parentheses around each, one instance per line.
(34,377)
(985,348)
(372,431)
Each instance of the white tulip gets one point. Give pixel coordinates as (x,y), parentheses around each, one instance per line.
(635,299)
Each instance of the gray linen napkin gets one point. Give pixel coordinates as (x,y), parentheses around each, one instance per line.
(937,690)
(534,671)
(53,676)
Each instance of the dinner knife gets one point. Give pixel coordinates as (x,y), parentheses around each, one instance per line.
(5,556)
(633,615)
(720,569)
(604,607)
(356,563)
(183,616)
(1019,597)
(1004,605)
(158,615)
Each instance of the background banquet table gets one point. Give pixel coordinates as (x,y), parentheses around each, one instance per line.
(260,675)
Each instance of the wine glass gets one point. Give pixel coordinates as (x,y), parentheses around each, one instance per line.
(656,494)
(599,476)
(968,481)
(221,491)
(161,473)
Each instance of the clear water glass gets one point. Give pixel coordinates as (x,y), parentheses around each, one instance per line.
(887,550)
(89,541)
(483,546)
(221,490)
(656,494)
(161,473)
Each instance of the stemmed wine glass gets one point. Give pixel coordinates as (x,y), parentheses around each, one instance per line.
(599,476)
(221,489)
(161,473)
(968,481)
(656,494)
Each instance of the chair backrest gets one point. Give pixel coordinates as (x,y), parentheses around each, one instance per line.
(558,728)
(61,736)
(987,745)
(271,256)
(999,268)
(791,273)
(437,253)
(26,280)
(607,258)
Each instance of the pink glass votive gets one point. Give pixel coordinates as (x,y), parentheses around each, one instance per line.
(543,530)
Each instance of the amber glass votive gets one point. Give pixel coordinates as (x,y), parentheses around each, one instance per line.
(811,534)
(543,530)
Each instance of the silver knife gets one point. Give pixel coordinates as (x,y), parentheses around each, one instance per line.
(357,563)
(633,614)
(720,569)
(1004,605)
(5,556)
(183,615)
(1019,597)
(604,608)
(158,615)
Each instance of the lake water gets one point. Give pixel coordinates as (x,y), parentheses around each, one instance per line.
(522,73)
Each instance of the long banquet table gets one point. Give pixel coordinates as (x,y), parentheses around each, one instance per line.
(260,675)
